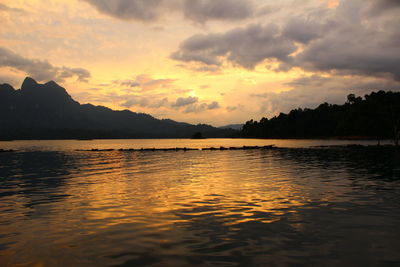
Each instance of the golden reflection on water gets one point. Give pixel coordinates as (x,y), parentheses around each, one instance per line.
(171,208)
(141,187)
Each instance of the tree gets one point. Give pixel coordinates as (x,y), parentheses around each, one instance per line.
(197,135)
(375,117)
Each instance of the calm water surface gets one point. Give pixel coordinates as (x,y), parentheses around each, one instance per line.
(281,207)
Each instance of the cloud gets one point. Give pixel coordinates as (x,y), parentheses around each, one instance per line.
(196,108)
(203,10)
(184,101)
(213,105)
(348,83)
(144,10)
(65,72)
(127,100)
(354,49)
(128,83)
(302,30)
(41,70)
(191,65)
(242,46)
(381,6)
(239,107)
(310,91)
(346,39)
(231,108)
(145,82)
(155,102)
(191,104)
(195,10)
(6,8)
(145,101)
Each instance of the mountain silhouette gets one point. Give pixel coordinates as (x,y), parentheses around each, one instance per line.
(47,111)
(232,126)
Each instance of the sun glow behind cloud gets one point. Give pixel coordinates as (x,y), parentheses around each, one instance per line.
(333,3)
(240,60)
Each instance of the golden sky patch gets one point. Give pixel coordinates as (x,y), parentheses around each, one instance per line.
(75,34)
(333,3)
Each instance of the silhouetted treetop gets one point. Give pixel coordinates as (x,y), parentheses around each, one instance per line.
(375,116)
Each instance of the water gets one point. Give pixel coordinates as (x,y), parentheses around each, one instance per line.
(65,145)
(290,206)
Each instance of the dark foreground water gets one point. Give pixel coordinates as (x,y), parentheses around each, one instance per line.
(285,207)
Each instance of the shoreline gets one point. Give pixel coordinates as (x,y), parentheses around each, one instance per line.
(352,147)
(347,138)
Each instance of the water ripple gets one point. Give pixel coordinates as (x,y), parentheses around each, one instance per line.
(219,208)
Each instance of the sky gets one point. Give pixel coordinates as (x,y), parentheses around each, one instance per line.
(203,61)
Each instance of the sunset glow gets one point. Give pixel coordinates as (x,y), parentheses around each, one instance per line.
(202,62)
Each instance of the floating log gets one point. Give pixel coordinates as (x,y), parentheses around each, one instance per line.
(6,150)
(210,148)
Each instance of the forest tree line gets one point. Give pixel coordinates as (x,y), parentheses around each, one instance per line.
(376,116)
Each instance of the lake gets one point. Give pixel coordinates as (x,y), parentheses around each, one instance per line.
(296,205)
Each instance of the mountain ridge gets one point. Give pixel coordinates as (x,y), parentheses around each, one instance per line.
(47,111)
(232,126)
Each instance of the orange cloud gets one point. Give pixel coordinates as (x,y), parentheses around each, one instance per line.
(333,3)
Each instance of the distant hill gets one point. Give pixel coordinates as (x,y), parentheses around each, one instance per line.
(47,111)
(377,116)
(232,126)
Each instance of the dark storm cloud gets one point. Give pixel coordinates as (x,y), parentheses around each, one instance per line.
(41,70)
(357,53)
(302,30)
(358,44)
(243,46)
(195,10)
(347,40)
